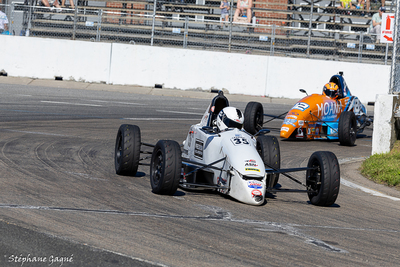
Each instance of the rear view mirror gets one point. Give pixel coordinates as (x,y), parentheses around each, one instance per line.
(303,91)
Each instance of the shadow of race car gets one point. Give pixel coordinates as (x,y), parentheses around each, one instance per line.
(317,116)
(219,155)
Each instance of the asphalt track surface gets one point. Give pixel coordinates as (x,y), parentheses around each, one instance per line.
(61,203)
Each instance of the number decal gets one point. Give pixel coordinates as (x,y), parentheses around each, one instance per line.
(238,140)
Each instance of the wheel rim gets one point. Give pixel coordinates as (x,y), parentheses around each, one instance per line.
(157,168)
(259,120)
(314,179)
(352,132)
(118,152)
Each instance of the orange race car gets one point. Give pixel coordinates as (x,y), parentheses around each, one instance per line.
(335,115)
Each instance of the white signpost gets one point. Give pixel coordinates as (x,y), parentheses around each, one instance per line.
(387,28)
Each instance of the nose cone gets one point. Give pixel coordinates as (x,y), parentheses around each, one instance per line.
(286,131)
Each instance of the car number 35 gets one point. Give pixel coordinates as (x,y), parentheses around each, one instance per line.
(239,141)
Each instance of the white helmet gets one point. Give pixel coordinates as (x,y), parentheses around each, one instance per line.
(229,117)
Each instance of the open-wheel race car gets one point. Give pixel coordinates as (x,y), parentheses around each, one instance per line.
(334,115)
(219,155)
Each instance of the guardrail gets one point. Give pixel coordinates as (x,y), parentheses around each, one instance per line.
(154,23)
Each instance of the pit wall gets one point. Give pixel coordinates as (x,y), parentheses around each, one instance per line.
(127,64)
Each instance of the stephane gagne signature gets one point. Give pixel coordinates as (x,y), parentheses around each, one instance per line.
(51,260)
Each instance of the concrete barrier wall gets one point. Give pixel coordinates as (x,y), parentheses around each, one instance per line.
(184,69)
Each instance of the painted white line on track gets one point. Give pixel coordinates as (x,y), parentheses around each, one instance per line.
(115,102)
(180,112)
(366,190)
(30,132)
(197,109)
(68,103)
(158,119)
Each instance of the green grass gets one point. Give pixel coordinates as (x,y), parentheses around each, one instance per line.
(384,168)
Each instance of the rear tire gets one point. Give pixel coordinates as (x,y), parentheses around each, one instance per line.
(127,150)
(347,128)
(165,167)
(325,180)
(268,148)
(253,117)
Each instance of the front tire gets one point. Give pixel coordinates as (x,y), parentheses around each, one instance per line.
(347,128)
(127,150)
(165,167)
(324,180)
(268,148)
(253,117)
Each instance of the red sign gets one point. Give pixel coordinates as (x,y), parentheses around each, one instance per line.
(387,28)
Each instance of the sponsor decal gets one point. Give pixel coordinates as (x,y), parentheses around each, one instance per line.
(293,113)
(285,129)
(301,106)
(356,106)
(301,123)
(256,193)
(198,149)
(239,140)
(291,116)
(290,122)
(300,133)
(250,163)
(252,169)
(254,184)
(329,109)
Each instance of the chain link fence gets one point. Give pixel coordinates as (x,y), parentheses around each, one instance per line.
(308,33)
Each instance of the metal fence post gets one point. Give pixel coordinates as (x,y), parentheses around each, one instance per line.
(186,33)
(75,21)
(230,27)
(273,40)
(29,23)
(309,28)
(153,23)
(10,25)
(99,17)
(386,53)
(360,46)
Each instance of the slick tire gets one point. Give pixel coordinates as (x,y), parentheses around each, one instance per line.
(347,128)
(268,148)
(165,167)
(253,117)
(324,180)
(127,150)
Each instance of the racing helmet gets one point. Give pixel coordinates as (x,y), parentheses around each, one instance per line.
(331,90)
(230,117)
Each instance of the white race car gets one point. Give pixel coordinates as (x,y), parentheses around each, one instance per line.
(218,154)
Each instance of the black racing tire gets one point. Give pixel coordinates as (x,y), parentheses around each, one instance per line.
(165,167)
(268,148)
(127,150)
(253,117)
(347,128)
(324,180)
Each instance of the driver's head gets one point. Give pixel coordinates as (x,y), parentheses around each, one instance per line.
(229,117)
(331,90)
